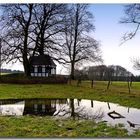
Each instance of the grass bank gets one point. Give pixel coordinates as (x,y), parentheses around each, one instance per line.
(118,92)
(33,126)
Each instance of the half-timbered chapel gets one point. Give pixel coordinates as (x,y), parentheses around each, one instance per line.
(42,66)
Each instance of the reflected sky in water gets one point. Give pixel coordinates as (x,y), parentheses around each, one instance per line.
(76,108)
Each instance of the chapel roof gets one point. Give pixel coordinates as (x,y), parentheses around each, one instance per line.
(41,60)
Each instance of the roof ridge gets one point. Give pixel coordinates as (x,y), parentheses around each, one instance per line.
(42,60)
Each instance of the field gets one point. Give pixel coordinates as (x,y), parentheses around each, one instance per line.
(28,126)
(117,93)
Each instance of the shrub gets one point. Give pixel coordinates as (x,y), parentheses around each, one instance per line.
(22,79)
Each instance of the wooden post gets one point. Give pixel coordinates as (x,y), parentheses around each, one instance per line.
(128,86)
(131,79)
(91,83)
(108,84)
(128,83)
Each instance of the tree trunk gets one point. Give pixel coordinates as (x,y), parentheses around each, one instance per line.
(42,43)
(72,108)
(25,49)
(41,50)
(25,58)
(75,42)
(26,66)
(72,70)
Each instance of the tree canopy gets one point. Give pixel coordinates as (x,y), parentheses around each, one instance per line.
(60,30)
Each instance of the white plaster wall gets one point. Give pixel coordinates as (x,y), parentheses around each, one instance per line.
(35,69)
(43,69)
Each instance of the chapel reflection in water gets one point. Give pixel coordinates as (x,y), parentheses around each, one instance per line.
(42,106)
(74,108)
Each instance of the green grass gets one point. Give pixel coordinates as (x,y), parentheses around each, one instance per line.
(118,92)
(33,126)
(4,73)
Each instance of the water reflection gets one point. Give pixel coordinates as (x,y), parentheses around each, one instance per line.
(108,105)
(115,115)
(39,107)
(76,108)
(11,107)
(92,103)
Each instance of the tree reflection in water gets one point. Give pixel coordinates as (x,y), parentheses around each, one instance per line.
(108,105)
(128,109)
(78,101)
(92,103)
(79,112)
(74,108)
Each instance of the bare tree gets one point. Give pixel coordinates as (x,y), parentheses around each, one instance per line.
(48,20)
(132,17)
(15,25)
(30,29)
(136,63)
(76,46)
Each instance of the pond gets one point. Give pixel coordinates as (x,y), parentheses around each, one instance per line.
(76,108)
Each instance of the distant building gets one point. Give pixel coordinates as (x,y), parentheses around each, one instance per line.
(42,66)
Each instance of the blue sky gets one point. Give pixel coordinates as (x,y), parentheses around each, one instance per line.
(109,32)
